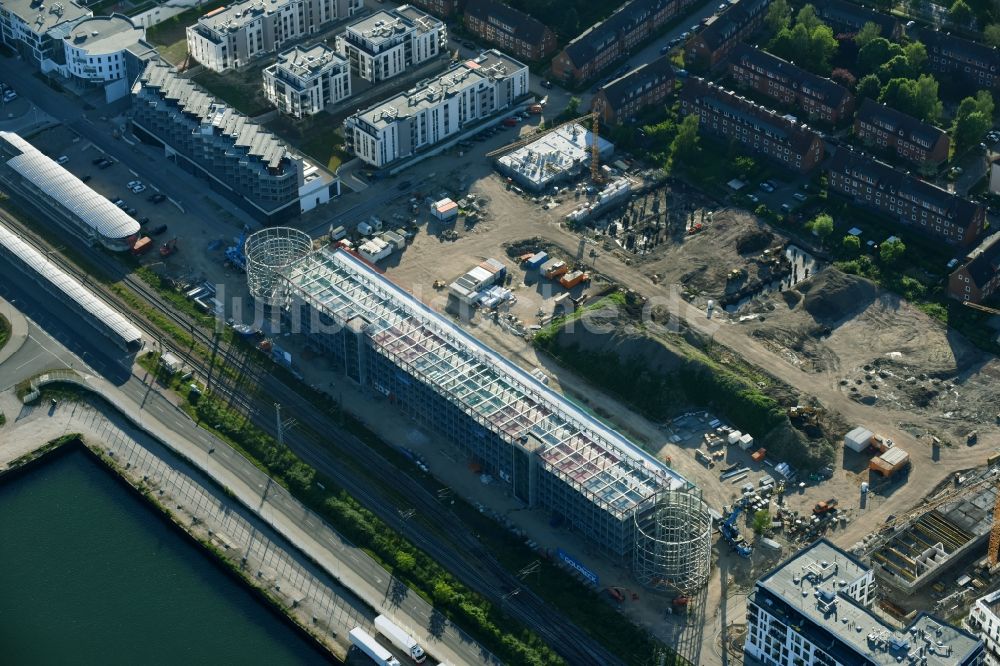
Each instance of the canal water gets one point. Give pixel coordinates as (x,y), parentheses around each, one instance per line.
(89,574)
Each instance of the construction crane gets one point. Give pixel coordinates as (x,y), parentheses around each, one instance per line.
(595,148)
(994,550)
(981,308)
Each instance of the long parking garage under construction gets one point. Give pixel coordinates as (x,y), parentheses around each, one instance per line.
(550,452)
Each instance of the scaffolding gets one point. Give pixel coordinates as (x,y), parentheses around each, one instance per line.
(606,470)
(267,252)
(673,541)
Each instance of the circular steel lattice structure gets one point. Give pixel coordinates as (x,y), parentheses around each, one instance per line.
(267,252)
(673,534)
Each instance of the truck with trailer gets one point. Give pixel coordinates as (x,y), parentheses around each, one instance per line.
(362,640)
(400,638)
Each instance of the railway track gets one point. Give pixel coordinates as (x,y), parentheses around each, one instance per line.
(445,540)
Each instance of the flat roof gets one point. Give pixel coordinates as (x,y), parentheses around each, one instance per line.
(611,471)
(554,154)
(105,218)
(429,94)
(306,61)
(69,286)
(43,16)
(105,34)
(814,582)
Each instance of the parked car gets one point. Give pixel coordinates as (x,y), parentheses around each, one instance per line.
(767,187)
(9,96)
(469,45)
(156,231)
(138,189)
(62,159)
(753,198)
(798,196)
(546,83)
(785,208)
(97,160)
(132,183)
(402,186)
(105,163)
(158,198)
(85,178)
(664,49)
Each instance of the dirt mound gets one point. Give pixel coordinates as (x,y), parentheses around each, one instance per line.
(791,298)
(832,296)
(627,343)
(754,241)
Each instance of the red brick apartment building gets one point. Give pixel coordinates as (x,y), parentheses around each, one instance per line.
(725,114)
(913,140)
(440,8)
(850,17)
(707,48)
(604,43)
(818,98)
(978,277)
(974,63)
(908,200)
(510,30)
(626,96)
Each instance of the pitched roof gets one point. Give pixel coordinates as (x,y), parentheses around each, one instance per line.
(852,16)
(900,124)
(985,260)
(883,176)
(506,18)
(731,21)
(817,87)
(599,36)
(785,129)
(960,48)
(633,83)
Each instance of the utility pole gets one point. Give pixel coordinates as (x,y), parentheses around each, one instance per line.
(281,425)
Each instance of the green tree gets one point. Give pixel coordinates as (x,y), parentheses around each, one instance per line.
(917,97)
(807,17)
(822,47)
(442,592)
(851,244)
(891,251)
(779,17)
(572,106)
(960,13)
(869,86)
(822,226)
(916,56)
(897,68)
(405,561)
(744,165)
(973,119)
(761,522)
(570,24)
(869,32)
(991,34)
(684,147)
(876,53)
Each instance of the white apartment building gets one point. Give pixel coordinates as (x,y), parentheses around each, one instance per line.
(96,46)
(29,27)
(305,80)
(234,35)
(441,108)
(984,621)
(816,608)
(389,42)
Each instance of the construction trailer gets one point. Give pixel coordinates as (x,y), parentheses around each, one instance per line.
(889,463)
(859,439)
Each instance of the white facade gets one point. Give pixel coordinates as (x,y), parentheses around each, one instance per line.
(388,43)
(35,29)
(984,621)
(422,117)
(304,81)
(233,36)
(816,608)
(95,47)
